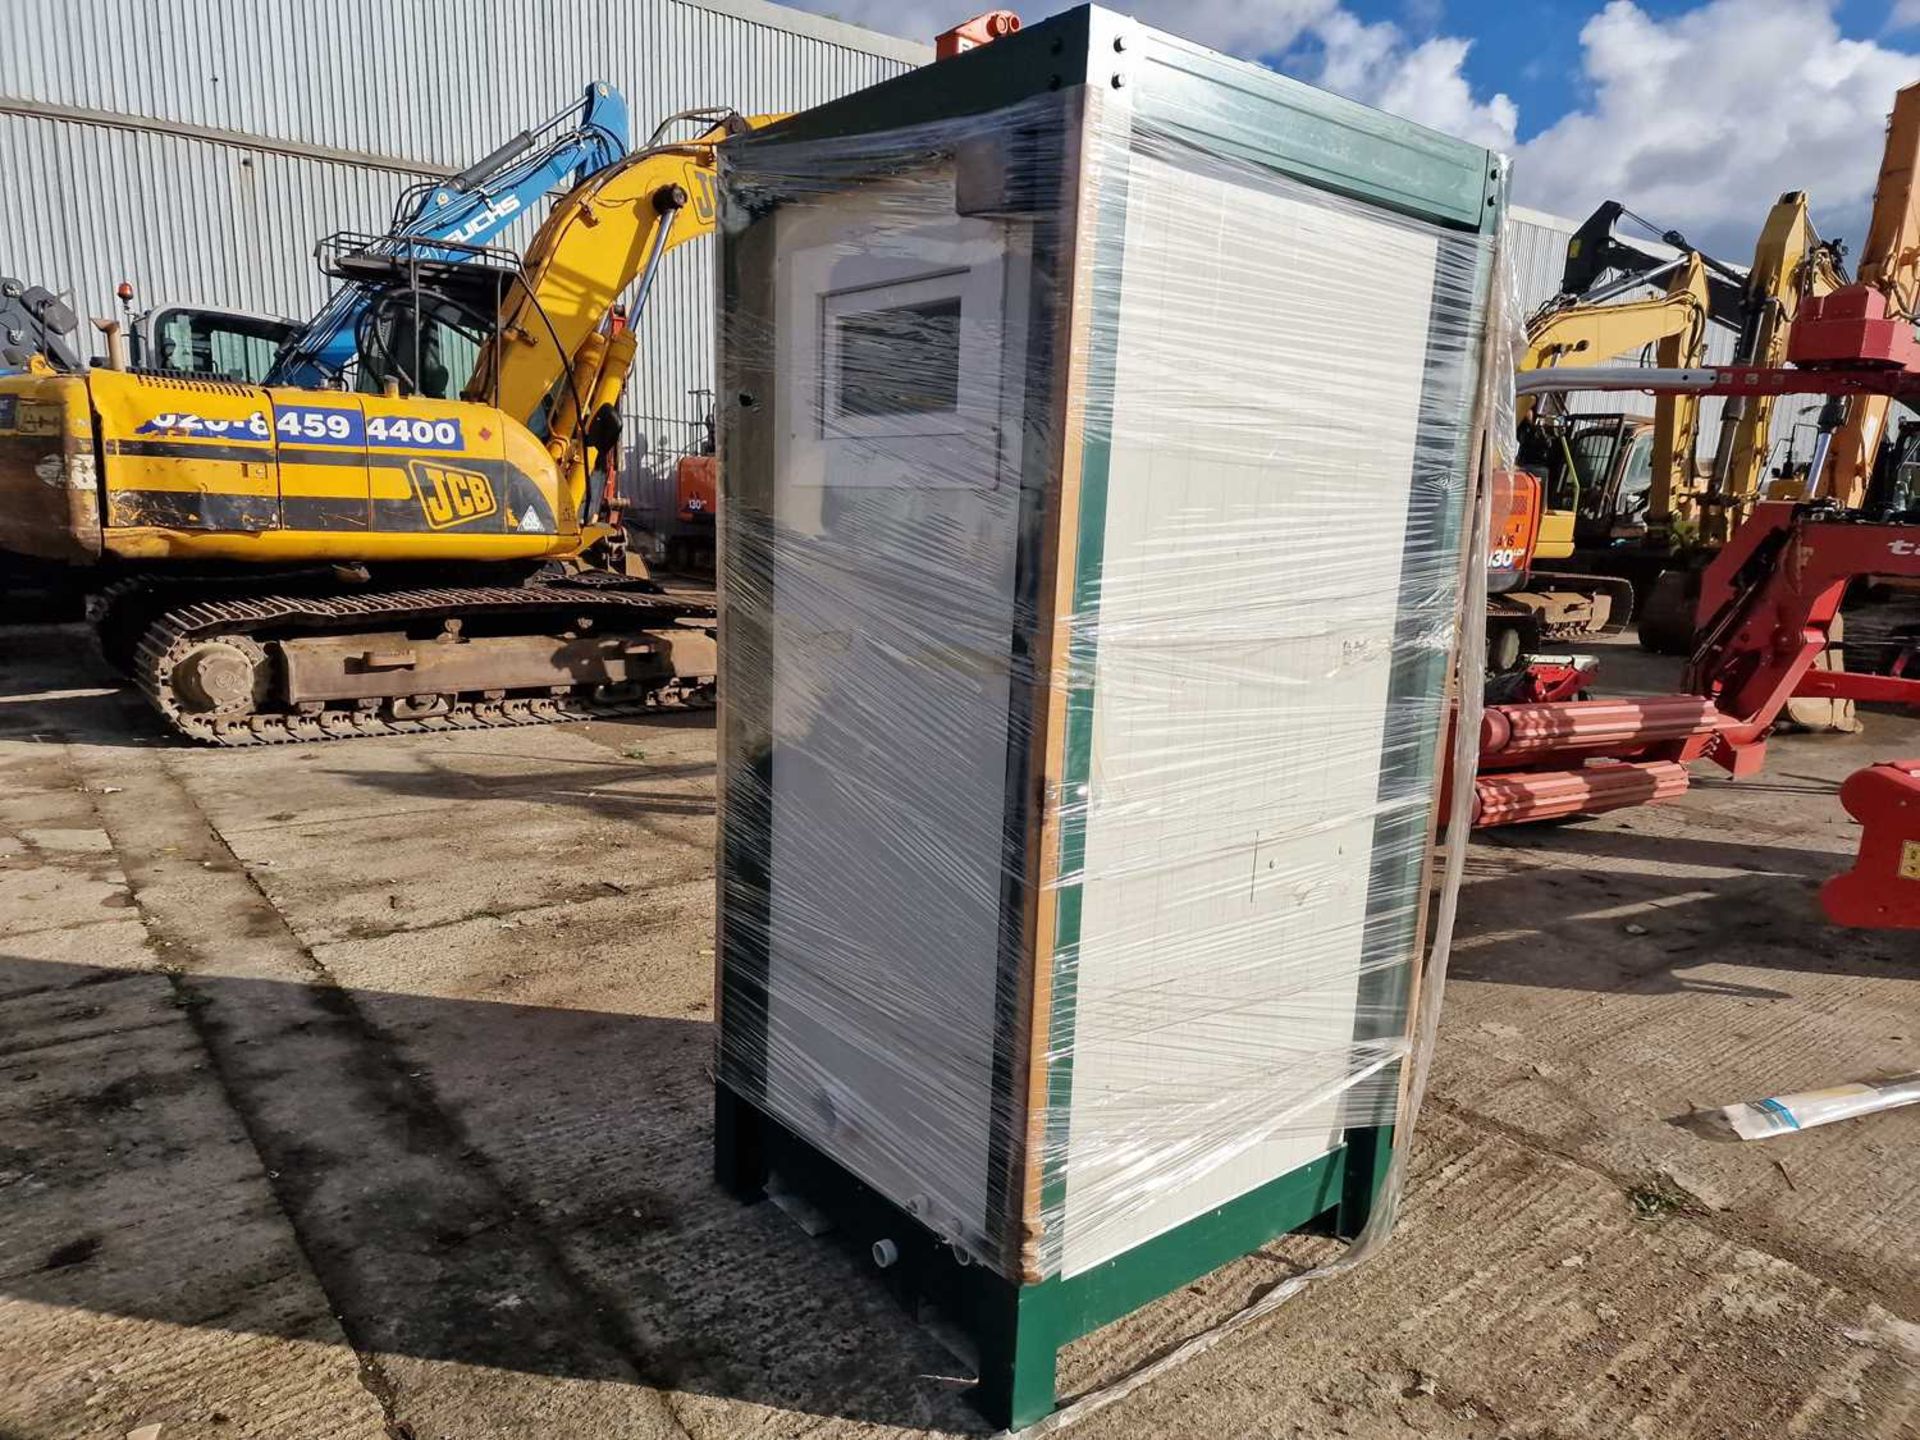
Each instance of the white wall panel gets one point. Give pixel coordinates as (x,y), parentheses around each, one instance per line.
(1239,726)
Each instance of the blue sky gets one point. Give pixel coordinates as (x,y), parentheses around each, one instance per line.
(1695,113)
(1533,51)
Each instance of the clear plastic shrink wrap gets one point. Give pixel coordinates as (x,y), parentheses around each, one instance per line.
(1093,529)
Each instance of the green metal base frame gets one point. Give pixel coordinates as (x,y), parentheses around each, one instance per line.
(1019,1329)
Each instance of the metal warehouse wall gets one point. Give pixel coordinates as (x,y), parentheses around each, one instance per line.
(200,147)
(1536,254)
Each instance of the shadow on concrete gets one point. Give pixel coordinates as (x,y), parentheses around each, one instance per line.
(649,776)
(560,1219)
(1569,844)
(1554,921)
(52,684)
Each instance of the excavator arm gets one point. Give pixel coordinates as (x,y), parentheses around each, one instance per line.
(1675,324)
(556,363)
(1790,264)
(1597,332)
(1676,418)
(1598,249)
(1890,264)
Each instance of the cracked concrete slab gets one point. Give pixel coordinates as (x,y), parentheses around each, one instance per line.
(378,1102)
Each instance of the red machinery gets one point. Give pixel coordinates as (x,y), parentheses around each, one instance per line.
(1785,572)
(1882,891)
(1777,587)
(1851,326)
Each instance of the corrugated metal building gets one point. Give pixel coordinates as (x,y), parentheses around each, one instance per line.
(1536,254)
(199,148)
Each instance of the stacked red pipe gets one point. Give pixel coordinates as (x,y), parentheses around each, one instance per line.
(1582,757)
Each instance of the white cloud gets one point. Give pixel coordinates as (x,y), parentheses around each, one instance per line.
(1430,87)
(1701,119)
(1376,64)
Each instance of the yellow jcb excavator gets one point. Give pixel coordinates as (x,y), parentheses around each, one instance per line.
(1674,325)
(279,564)
(1622,491)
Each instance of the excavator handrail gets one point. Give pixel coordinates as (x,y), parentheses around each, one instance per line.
(713,116)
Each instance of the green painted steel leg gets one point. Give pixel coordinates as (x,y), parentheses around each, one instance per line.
(1369,1152)
(739,1148)
(1017,1364)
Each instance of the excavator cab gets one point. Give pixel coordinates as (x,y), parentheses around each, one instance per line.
(1893,492)
(1614,454)
(1597,468)
(434,312)
(431,313)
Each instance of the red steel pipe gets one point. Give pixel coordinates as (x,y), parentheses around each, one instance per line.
(1523,734)
(1520,796)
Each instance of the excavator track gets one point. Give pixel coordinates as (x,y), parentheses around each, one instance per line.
(242,628)
(1555,610)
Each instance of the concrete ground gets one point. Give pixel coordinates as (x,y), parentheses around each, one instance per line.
(362,1090)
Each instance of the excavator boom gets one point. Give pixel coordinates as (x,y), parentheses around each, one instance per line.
(1889,263)
(1790,264)
(1596,332)
(1676,419)
(611,230)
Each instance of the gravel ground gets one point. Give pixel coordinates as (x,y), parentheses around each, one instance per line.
(361,1090)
